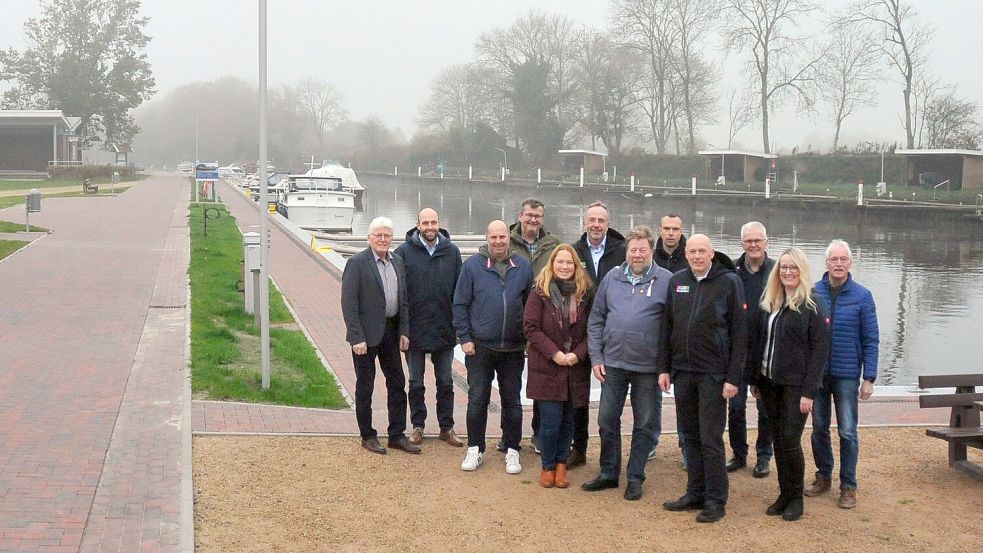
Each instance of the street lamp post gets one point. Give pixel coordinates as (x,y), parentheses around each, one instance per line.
(505,163)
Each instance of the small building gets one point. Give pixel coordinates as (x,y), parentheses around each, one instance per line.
(959,169)
(739,165)
(122,152)
(31,140)
(594,163)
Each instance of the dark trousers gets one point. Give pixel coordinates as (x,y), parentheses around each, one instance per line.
(485,365)
(737,426)
(581,423)
(554,432)
(442,361)
(701,413)
(644,393)
(392,368)
(782,404)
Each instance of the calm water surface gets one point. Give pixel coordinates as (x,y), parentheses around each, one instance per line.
(926,274)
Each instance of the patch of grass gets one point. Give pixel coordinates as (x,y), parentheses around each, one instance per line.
(225,346)
(8,247)
(7,226)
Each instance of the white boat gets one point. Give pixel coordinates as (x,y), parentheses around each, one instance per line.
(349,181)
(316,202)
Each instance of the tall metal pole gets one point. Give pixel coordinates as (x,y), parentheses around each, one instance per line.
(264,255)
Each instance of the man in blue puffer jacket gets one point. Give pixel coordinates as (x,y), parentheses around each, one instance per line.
(489,302)
(852,357)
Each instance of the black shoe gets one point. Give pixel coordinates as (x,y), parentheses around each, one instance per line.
(685,503)
(373,445)
(761,469)
(794,510)
(598,484)
(778,507)
(633,491)
(577,458)
(736,463)
(535,443)
(404,444)
(711,513)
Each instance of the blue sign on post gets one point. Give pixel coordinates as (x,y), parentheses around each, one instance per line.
(206,175)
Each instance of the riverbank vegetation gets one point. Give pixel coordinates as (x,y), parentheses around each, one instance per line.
(225,345)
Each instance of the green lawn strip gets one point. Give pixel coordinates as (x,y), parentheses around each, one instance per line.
(8,247)
(7,226)
(225,348)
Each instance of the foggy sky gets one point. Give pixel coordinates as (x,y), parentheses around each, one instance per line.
(382,55)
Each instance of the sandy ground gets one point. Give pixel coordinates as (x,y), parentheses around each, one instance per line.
(327,494)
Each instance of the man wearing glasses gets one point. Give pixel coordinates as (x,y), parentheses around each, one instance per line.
(373,303)
(850,372)
(753,267)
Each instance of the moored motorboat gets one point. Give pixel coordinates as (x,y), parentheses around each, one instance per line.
(316,202)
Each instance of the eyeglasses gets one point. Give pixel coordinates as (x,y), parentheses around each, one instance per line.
(532,216)
(381,236)
(788,268)
(834,260)
(754,242)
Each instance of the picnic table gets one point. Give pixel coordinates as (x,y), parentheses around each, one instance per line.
(964,422)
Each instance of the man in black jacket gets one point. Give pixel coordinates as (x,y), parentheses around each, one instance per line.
(600,248)
(707,336)
(433,264)
(670,250)
(753,267)
(373,303)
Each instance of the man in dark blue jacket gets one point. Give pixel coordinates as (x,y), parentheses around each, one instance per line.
(753,267)
(600,248)
(433,264)
(489,302)
(707,334)
(851,372)
(373,303)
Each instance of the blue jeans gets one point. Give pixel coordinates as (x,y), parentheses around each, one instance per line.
(737,426)
(482,367)
(645,392)
(555,432)
(442,361)
(844,393)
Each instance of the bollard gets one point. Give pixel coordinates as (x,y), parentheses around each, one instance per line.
(860,193)
(469,172)
(767,188)
(115,180)
(396,171)
(633,183)
(503,173)
(419,171)
(539,175)
(250,268)
(581,177)
(693,187)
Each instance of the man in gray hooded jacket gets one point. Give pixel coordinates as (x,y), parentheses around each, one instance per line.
(626,344)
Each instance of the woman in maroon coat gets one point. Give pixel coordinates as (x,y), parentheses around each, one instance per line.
(555,324)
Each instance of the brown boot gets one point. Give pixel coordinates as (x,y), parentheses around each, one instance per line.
(819,486)
(547,478)
(848,498)
(561,476)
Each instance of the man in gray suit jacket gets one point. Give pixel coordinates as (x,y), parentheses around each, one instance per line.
(373,302)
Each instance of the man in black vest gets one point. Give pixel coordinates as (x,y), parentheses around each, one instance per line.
(433,264)
(373,303)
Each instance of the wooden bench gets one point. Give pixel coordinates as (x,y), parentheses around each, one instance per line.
(964,423)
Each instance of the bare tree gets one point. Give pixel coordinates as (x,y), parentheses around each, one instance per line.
(322,104)
(905,41)
(780,61)
(847,73)
(691,19)
(740,114)
(460,97)
(605,89)
(647,26)
(951,122)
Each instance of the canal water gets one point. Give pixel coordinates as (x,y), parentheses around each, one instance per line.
(926,273)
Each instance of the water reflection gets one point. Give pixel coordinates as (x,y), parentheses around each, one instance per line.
(926,274)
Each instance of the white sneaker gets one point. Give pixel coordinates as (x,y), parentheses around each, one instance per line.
(472,460)
(512,465)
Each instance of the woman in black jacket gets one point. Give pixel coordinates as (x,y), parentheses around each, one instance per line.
(788,363)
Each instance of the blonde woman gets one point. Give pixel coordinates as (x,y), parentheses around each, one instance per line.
(555,323)
(789,358)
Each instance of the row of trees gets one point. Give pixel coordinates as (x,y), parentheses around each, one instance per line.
(543,83)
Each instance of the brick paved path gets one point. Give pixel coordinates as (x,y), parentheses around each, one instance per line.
(92,360)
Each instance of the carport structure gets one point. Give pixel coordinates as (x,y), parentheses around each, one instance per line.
(928,168)
(739,165)
(31,140)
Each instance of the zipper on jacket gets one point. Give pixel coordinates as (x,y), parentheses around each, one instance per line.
(689,323)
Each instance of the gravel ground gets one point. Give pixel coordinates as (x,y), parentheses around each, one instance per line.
(276,494)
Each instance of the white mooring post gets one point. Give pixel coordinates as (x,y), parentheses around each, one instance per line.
(767,188)
(693,187)
(633,183)
(503,173)
(419,171)
(581,177)
(860,193)
(539,175)
(469,172)
(396,171)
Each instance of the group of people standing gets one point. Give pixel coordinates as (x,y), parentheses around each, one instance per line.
(643,314)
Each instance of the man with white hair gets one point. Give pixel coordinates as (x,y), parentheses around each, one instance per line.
(374,305)
(850,373)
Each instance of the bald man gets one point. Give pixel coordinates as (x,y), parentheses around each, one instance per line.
(433,264)
(707,335)
(489,301)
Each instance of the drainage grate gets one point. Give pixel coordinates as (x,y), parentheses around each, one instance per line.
(168,306)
